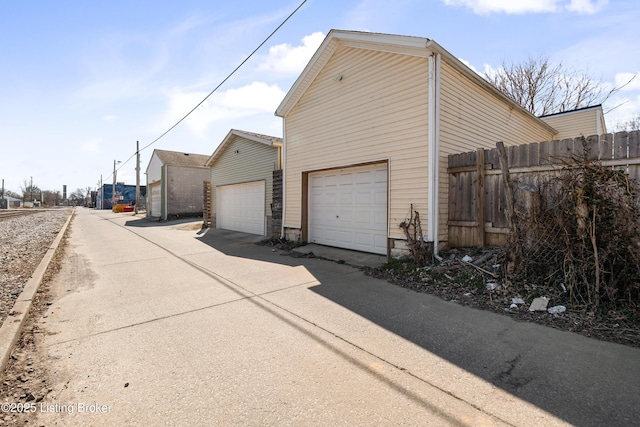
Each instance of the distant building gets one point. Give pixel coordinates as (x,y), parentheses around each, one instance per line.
(10,202)
(176,184)
(125,195)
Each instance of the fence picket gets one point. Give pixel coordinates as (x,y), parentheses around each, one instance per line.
(620,145)
(592,145)
(605,148)
(529,163)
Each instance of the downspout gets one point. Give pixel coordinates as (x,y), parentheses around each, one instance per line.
(164,197)
(434,150)
(284,181)
(599,122)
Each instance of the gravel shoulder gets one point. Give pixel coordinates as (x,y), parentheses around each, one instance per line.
(23,243)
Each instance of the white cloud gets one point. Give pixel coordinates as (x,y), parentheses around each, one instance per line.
(586,6)
(468,64)
(110,118)
(490,70)
(627,81)
(92,145)
(253,99)
(485,7)
(287,59)
(620,110)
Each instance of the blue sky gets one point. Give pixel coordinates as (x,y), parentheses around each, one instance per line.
(81,81)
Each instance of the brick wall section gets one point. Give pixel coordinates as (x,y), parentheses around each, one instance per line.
(276,204)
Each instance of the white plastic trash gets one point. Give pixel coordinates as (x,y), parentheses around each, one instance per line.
(539,304)
(557,309)
(492,286)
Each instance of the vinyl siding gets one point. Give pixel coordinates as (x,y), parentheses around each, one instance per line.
(574,124)
(377,111)
(472,117)
(154,169)
(253,162)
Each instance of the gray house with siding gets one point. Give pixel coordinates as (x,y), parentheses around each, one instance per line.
(175,184)
(242,181)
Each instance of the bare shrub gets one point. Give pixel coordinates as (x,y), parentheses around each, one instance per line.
(421,251)
(585,240)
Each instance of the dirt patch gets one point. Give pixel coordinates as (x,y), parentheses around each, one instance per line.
(25,380)
(194,226)
(474,278)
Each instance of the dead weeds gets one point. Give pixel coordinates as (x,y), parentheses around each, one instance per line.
(476,278)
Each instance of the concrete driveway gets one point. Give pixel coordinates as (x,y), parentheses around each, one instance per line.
(156,324)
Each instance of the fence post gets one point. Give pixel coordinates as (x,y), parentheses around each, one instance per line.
(480,216)
(510,210)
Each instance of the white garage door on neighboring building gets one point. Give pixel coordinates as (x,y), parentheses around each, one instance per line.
(155,200)
(348,208)
(240,207)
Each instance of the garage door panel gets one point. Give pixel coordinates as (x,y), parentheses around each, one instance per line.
(241,207)
(156,198)
(380,242)
(363,239)
(364,198)
(363,178)
(345,198)
(348,208)
(380,219)
(363,217)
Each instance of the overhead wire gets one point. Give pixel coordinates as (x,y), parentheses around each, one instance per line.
(214,89)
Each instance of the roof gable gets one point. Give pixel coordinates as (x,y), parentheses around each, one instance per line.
(403,45)
(270,141)
(177,158)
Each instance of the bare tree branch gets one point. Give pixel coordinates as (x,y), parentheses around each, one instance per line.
(542,87)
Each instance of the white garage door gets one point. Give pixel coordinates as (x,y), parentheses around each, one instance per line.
(348,208)
(240,207)
(155,200)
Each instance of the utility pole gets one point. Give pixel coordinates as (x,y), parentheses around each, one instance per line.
(31,189)
(113,187)
(137,176)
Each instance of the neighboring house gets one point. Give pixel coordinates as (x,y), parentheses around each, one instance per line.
(581,122)
(368,127)
(242,181)
(10,202)
(176,184)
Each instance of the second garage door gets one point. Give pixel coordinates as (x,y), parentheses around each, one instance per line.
(348,208)
(240,207)
(156,198)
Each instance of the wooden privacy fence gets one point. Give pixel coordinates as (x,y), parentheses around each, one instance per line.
(476,188)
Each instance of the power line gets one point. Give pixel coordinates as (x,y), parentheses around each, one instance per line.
(217,87)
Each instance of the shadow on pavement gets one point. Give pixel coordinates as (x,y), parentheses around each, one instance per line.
(580,380)
(155,222)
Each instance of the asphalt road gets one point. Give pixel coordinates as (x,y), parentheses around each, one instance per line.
(155,324)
